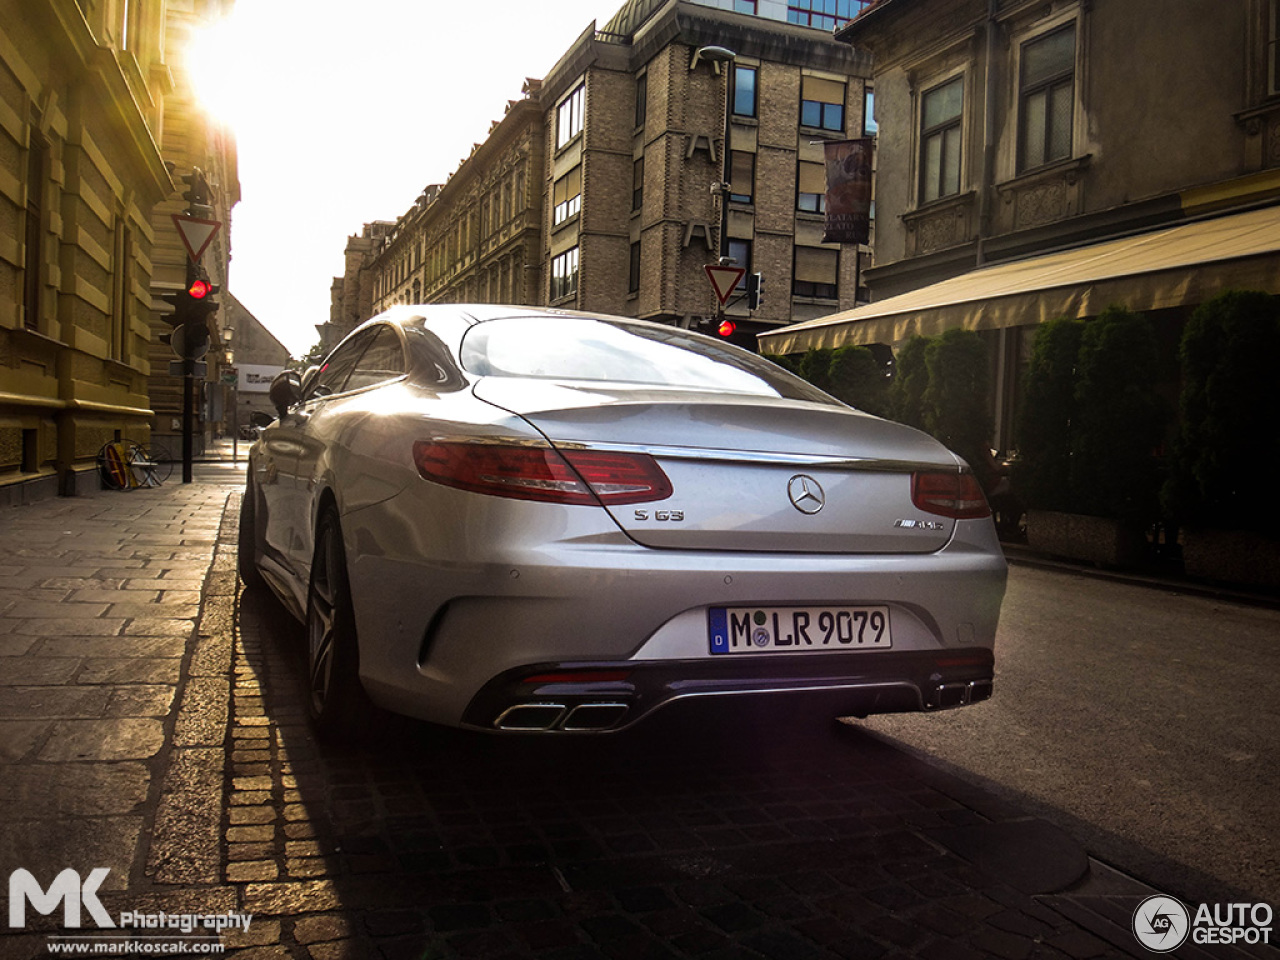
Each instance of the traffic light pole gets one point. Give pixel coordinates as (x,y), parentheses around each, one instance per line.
(188,405)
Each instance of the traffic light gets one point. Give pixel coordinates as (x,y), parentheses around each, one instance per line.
(197,192)
(755,291)
(726,328)
(192,307)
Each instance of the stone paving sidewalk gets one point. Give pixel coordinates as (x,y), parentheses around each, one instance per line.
(152,721)
(113,710)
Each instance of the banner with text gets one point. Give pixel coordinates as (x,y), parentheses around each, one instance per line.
(848,165)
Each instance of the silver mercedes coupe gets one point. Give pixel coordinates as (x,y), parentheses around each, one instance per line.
(516,519)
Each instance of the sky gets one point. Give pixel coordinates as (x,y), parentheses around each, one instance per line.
(343,112)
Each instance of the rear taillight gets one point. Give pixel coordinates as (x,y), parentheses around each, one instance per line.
(539,473)
(956,495)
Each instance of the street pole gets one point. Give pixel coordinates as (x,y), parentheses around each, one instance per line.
(722,56)
(188,405)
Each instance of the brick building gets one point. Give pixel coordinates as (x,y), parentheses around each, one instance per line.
(610,162)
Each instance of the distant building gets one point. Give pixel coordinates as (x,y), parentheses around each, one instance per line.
(257,356)
(1043,159)
(594,192)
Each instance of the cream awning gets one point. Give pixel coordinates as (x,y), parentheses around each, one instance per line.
(1179,265)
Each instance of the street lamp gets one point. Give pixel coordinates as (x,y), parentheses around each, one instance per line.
(717,56)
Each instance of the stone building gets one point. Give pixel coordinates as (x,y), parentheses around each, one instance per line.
(1042,159)
(191,139)
(594,190)
(257,356)
(351,295)
(85,133)
(636,118)
(477,237)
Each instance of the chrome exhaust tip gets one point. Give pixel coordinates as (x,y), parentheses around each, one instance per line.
(594,716)
(530,716)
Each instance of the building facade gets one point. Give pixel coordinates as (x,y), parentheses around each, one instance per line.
(596,191)
(636,120)
(84,139)
(191,139)
(1041,159)
(256,356)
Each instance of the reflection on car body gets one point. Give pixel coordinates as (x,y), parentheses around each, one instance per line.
(519,519)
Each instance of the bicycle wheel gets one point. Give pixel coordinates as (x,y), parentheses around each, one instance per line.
(161,462)
(113,465)
(144,469)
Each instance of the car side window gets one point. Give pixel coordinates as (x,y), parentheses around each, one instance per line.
(382,361)
(332,376)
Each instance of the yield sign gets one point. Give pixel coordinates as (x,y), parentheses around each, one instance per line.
(724,280)
(195,233)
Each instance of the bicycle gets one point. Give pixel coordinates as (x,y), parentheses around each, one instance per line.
(127,465)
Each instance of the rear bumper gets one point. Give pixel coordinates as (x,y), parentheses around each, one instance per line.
(597,697)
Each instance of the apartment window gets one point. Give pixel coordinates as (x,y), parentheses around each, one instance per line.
(822,104)
(940,112)
(566,196)
(744,6)
(564,274)
(744,91)
(740,252)
(642,98)
(742,176)
(36,151)
(633,274)
(637,183)
(811,187)
(824,14)
(816,273)
(1047,98)
(569,116)
(869,126)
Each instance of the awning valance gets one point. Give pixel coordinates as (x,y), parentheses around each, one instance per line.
(1175,266)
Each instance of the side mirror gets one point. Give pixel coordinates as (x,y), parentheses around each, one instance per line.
(308,377)
(285,391)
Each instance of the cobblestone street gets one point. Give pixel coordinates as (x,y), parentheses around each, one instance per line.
(152,721)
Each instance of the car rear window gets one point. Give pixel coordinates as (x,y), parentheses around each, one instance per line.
(608,351)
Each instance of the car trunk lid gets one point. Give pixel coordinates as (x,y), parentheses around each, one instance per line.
(747,472)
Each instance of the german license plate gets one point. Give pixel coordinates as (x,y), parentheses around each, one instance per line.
(798,629)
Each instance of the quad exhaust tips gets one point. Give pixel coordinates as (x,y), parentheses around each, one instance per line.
(960,694)
(559,717)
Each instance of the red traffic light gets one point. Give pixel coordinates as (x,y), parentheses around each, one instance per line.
(199,289)
(726,328)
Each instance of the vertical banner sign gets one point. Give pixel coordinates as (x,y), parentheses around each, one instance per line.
(848,191)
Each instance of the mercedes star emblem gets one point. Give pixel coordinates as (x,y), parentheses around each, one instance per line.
(806,494)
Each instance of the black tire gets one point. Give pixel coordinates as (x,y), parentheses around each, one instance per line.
(247,539)
(339,707)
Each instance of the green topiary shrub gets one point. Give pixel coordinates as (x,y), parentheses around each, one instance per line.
(815,366)
(857,378)
(1118,420)
(910,380)
(1041,477)
(956,402)
(1227,450)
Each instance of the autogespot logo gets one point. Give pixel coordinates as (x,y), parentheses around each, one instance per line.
(1161,924)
